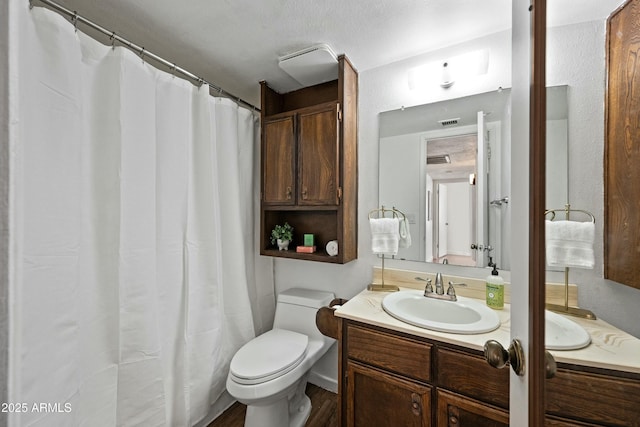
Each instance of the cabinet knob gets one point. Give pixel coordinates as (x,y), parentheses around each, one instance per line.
(454,416)
(288,192)
(304,193)
(416,407)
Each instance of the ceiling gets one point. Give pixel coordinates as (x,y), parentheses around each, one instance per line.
(235,44)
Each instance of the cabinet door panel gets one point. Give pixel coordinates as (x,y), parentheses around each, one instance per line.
(318,157)
(378,399)
(467,374)
(392,353)
(457,411)
(278,162)
(593,398)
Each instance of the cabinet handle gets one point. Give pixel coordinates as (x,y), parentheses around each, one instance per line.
(304,193)
(416,407)
(454,416)
(288,193)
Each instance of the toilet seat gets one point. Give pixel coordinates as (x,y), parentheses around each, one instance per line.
(268,356)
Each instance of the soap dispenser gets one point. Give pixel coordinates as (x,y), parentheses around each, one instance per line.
(495,290)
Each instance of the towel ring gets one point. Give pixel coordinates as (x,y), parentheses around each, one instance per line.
(567,210)
(382,211)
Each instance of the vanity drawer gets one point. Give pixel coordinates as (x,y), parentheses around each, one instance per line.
(594,398)
(472,376)
(404,356)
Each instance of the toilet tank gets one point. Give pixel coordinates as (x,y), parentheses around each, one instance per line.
(296,310)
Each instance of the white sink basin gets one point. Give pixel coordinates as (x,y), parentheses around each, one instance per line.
(564,334)
(470,316)
(465,316)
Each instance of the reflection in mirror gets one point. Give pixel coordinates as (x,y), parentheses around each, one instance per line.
(447,166)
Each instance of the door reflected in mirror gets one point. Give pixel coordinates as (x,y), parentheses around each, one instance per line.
(446,165)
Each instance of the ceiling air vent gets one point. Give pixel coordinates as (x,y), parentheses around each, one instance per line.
(310,66)
(438,160)
(449,122)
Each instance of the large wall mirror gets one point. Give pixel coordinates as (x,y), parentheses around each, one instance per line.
(446,165)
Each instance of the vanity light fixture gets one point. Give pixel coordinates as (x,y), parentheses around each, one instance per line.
(447,71)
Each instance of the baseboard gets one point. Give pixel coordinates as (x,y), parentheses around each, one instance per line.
(323,381)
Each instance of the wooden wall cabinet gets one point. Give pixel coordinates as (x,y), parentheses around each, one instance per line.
(391,379)
(309,166)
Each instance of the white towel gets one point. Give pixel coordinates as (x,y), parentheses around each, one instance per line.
(385,235)
(570,244)
(405,236)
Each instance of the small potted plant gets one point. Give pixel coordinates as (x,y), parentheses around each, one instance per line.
(282,235)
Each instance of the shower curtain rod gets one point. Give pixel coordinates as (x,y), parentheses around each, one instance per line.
(75,18)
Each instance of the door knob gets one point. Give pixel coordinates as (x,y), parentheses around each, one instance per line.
(498,357)
(550,365)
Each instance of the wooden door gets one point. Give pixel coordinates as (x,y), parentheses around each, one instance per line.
(318,156)
(622,147)
(278,161)
(379,399)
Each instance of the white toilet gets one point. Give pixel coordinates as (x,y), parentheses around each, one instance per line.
(269,373)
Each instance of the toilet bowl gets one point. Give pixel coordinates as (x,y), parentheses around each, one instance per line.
(269,373)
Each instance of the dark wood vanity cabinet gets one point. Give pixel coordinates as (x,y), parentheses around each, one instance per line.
(309,166)
(394,379)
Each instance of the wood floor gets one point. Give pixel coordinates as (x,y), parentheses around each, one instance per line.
(324,411)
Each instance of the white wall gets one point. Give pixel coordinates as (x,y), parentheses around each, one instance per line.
(556,188)
(399,186)
(459,218)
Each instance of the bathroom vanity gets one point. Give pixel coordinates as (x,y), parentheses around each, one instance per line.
(392,373)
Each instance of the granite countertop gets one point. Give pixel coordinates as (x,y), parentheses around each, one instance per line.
(610,347)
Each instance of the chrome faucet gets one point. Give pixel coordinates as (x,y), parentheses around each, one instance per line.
(439,291)
(439,286)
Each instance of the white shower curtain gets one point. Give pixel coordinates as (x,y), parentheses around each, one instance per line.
(133,249)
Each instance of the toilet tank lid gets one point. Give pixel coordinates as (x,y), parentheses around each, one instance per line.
(306,297)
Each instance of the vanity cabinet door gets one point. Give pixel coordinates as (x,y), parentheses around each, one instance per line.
(318,156)
(278,161)
(458,411)
(467,374)
(376,398)
(593,398)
